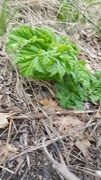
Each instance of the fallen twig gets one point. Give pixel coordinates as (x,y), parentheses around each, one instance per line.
(63,112)
(62,169)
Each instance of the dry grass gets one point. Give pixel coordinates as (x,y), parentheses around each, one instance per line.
(31,121)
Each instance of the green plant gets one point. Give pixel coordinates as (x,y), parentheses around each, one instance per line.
(95,87)
(5,17)
(66,12)
(41,54)
(71,94)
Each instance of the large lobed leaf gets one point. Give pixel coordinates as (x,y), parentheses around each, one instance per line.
(71,94)
(40,53)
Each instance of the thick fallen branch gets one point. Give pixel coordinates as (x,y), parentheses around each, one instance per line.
(58,166)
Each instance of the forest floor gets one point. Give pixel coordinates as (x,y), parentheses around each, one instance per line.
(29,111)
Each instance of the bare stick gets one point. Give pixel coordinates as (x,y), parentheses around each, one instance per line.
(59,167)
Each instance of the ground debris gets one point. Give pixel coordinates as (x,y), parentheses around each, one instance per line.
(29,111)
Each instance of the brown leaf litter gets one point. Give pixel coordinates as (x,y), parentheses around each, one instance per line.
(74,127)
(50,106)
(28,113)
(4,119)
(9,149)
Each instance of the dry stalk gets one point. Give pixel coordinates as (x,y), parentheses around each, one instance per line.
(62,169)
(7,143)
(90,21)
(1,3)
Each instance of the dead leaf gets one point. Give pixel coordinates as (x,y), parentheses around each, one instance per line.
(20,161)
(83,146)
(50,105)
(98,114)
(4,120)
(45,102)
(70,124)
(11,150)
(5,100)
(84,33)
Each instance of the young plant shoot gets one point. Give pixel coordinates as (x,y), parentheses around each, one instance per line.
(43,55)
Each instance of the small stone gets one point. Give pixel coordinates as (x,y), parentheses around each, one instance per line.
(38,163)
(46,163)
(39,177)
